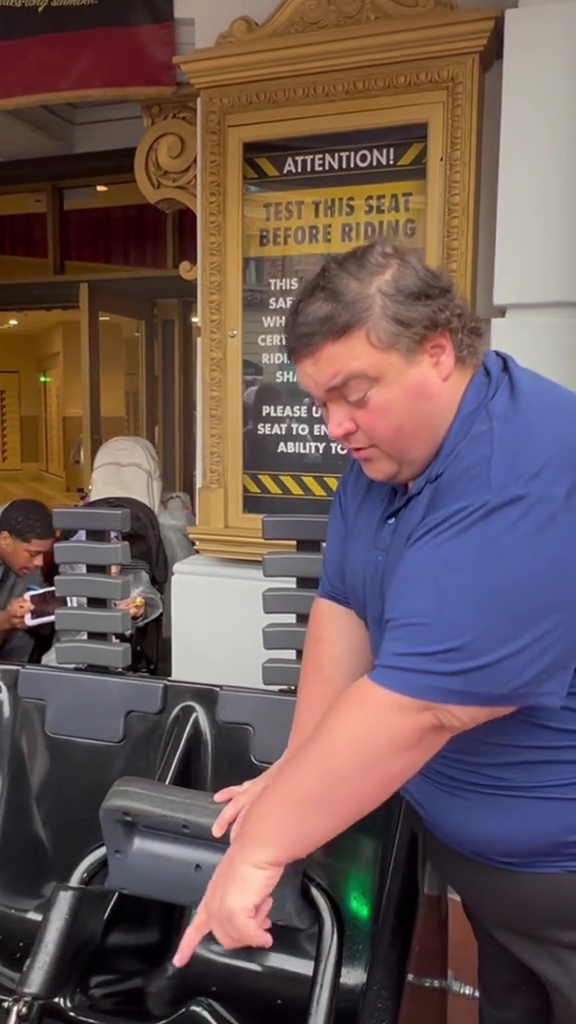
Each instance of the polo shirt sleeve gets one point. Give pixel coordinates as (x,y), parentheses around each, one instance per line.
(481,609)
(332,584)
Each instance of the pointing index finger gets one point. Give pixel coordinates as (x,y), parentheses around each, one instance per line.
(195,932)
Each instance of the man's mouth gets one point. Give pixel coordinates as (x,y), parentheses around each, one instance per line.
(361,452)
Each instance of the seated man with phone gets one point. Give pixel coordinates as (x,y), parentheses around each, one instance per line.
(26,540)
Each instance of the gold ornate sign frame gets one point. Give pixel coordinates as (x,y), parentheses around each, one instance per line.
(315,62)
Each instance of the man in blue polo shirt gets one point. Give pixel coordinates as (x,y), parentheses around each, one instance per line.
(441,651)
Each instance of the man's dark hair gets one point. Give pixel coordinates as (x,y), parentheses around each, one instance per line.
(389,291)
(27,520)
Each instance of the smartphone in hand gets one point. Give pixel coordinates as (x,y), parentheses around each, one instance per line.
(44,604)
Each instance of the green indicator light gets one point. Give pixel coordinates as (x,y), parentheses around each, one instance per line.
(359,907)
(358,898)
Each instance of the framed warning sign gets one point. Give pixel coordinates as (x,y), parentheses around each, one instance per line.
(319,130)
(304,198)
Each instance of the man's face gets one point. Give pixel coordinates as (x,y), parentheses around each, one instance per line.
(391,412)
(21,556)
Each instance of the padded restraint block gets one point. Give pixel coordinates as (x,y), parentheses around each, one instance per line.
(295,527)
(88,706)
(88,552)
(93,585)
(292,564)
(281,673)
(95,653)
(160,846)
(94,620)
(96,519)
(287,601)
(284,636)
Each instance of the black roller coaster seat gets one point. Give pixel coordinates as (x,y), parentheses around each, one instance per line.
(106,846)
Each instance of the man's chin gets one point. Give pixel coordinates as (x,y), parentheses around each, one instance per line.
(379,471)
(376,465)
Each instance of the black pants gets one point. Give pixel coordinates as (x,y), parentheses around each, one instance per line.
(525,926)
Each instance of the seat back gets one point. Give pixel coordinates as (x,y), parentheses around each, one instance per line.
(304,566)
(65,738)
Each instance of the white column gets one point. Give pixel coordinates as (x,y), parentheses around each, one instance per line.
(535,266)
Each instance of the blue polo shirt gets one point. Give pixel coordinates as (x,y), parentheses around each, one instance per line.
(467,585)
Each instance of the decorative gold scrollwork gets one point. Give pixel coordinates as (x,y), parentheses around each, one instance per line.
(297,16)
(165,164)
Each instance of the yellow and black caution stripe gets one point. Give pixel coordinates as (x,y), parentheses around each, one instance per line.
(260,167)
(415,155)
(290,485)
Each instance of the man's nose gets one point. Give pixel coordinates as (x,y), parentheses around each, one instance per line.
(340,424)
(38,561)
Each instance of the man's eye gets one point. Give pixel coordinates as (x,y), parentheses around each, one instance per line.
(357,401)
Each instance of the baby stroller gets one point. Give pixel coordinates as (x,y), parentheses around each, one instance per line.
(129,467)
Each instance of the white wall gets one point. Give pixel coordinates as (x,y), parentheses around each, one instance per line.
(535,278)
(488,187)
(214,16)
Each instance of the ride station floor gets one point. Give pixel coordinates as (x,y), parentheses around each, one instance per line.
(442,971)
(30,483)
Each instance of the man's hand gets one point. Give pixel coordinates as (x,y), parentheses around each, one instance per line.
(235,907)
(238,799)
(14,614)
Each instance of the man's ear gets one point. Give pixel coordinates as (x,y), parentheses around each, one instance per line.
(6,540)
(440,351)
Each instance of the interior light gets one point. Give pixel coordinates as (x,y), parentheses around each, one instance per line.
(101,188)
(13,323)
(103,317)
(194,319)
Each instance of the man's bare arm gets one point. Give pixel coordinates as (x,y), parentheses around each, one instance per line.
(369,743)
(336,654)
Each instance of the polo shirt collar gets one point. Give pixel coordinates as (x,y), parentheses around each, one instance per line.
(479,392)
